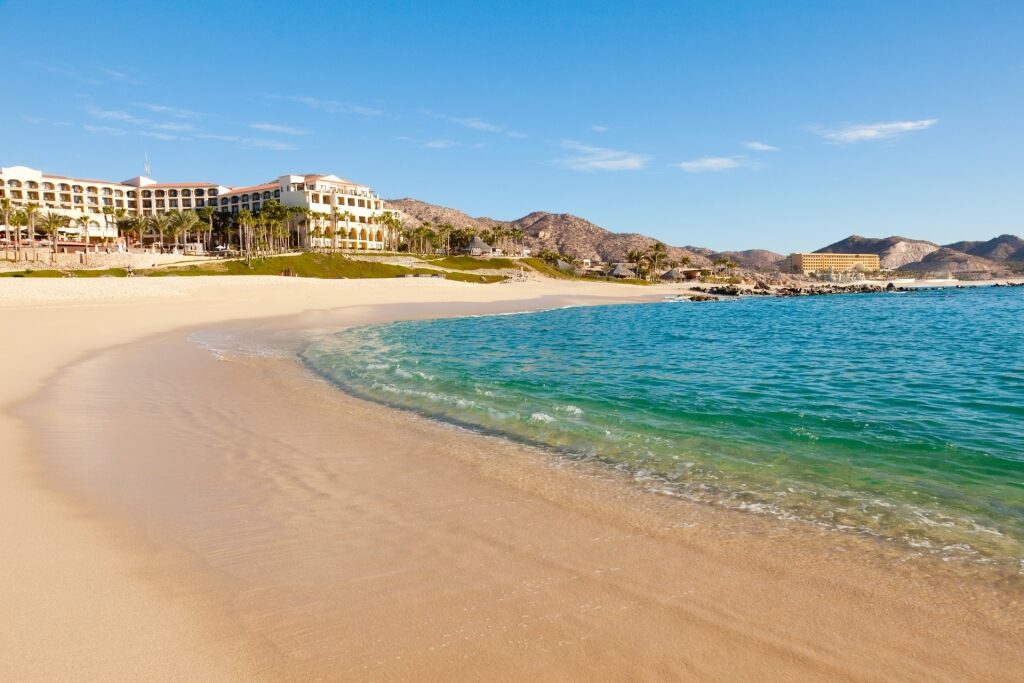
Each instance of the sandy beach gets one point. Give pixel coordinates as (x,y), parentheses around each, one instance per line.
(171,513)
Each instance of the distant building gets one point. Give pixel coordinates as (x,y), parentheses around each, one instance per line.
(345,214)
(477,247)
(818,262)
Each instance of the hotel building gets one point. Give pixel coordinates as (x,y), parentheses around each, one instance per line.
(819,262)
(354,208)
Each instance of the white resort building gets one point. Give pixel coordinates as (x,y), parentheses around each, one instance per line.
(95,205)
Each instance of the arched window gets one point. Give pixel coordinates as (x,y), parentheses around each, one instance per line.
(186,193)
(76,188)
(48,186)
(266,195)
(160,193)
(172,193)
(14,183)
(92,189)
(147,193)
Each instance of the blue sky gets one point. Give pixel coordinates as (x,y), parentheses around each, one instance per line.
(724,124)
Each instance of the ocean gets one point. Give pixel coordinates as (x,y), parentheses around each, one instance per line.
(897,415)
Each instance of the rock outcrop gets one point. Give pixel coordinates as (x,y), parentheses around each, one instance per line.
(893,252)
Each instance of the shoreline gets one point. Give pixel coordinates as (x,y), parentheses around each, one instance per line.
(72,578)
(726,562)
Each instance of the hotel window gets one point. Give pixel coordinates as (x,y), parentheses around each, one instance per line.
(187,203)
(212,193)
(32,185)
(13,183)
(118,193)
(172,193)
(316,198)
(351,202)
(223,201)
(108,202)
(64,187)
(146,194)
(132,203)
(107,191)
(94,200)
(131,193)
(173,203)
(78,200)
(200,202)
(200,192)
(49,197)
(256,206)
(76,188)
(119,203)
(47,186)
(234,200)
(160,204)
(266,195)
(91,189)
(160,193)
(186,193)
(33,195)
(15,194)
(277,193)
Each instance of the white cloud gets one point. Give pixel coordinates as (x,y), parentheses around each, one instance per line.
(275,128)
(114,115)
(440,144)
(862,132)
(330,106)
(179,127)
(252,143)
(761,147)
(176,112)
(159,136)
(599,129)
(476,123)
(103,130)
(589,158)
(713,164)
(32,119)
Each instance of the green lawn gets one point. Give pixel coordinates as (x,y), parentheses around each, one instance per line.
(470,263)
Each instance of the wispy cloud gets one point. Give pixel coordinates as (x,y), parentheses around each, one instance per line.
(34,120)
(599,129)
(761,147)
(864,132)
(120,76)
(103,130)
(114,115)
(159,136)
(330,106)
(475,123)
(440,144)
(275,128)
(179,127)
(252,143)
(714,164)
(590,158)
(175,112)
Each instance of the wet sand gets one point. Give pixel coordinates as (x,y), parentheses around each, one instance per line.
(243,520)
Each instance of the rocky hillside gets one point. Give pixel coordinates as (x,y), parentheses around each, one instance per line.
(893,252)
(1002,248)
(561,232)
(946,260)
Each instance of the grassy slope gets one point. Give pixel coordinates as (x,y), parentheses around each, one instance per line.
(470,263)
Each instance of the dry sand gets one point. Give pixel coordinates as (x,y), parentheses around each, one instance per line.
(171,516)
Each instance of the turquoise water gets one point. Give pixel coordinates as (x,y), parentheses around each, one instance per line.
(895,415)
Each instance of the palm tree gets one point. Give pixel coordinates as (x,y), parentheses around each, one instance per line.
(159,223)
(658,252)
(52,223)
(206,213)
(31,210)
(18,220)
(183,223)
(82,222)
(7,211)
(638,259)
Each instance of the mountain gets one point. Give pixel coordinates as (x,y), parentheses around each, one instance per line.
(1002,248)
(561,232)
(753,259)
(947,260)
(893,252)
